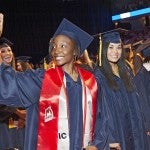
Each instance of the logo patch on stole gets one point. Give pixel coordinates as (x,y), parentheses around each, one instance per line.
(48,114)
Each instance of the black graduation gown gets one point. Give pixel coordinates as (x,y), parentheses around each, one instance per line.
(121,113)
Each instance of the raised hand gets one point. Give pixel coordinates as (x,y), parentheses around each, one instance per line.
(1,23)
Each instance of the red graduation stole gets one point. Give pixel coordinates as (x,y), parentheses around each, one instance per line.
(53,82)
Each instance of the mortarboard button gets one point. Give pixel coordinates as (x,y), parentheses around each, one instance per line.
(82,38)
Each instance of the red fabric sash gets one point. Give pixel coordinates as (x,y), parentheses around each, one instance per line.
(91,83)
(49,100)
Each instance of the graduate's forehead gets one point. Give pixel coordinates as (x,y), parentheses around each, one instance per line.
(114,44)
(5,48)
(61,38)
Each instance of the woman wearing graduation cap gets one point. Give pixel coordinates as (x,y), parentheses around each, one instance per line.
(10,116)
(119,107)
(22,63)
(61,104)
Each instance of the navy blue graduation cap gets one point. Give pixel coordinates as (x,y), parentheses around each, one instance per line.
(23,58)
(144,48)
(82,38)
(112,36)
(5,42)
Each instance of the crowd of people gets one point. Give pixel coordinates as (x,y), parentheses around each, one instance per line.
(127,5)
(74,103)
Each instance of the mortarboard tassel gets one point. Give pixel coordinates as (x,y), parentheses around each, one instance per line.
(45,64)
(100,51)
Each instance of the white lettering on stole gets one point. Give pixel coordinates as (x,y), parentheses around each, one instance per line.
(48,114)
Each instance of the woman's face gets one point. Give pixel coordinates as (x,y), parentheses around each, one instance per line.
(6,55)
(63,50)
(19,67)
(114,52)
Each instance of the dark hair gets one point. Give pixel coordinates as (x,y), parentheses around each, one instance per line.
(107,70)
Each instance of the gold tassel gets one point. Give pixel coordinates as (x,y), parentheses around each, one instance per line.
(45,64)
(100,50)
(11,123)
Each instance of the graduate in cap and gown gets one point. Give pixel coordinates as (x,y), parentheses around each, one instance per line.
(119,108)
(11,118)
(61,103)
(142,81)
(23,63)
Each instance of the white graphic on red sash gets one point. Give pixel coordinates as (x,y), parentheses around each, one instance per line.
(48,114)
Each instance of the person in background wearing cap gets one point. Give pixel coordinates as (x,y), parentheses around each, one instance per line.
(120,109)
(10,115)
(61,103)
(142,81)
(22,63)
(46,62)
(129,57)
(137,61)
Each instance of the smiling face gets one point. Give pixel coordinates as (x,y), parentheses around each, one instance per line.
(63,50)
(114,52)
(6,55)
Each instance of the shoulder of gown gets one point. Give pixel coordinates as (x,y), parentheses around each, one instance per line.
(20,89)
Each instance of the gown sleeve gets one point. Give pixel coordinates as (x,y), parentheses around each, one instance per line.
(142,82)
(101,126)
(19,89)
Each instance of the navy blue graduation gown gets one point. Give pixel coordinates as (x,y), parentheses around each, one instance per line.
(121,114)
(14,137)
(6,140)
(23,90)
(25,87)
(142,82)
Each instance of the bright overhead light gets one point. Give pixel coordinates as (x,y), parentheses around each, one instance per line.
(131,14)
